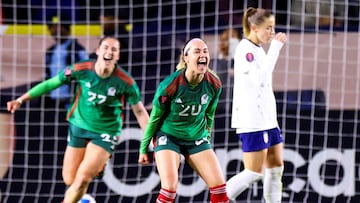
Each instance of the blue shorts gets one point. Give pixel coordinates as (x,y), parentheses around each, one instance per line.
(259,140)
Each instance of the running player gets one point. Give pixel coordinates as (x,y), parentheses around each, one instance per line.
(180,122)
(254,106)
(94,115)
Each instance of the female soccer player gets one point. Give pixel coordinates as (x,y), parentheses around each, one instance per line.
(94,115)
(254,106)
(180,123)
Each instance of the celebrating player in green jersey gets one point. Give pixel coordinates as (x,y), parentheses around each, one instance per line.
(94,115)
(180,122)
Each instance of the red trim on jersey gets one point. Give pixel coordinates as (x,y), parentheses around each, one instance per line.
(213,80)
(76,101)
(87,65)
(173,86)
(123,76)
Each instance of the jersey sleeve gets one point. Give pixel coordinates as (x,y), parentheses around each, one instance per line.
(160,105)
(243,59)
(245,64)
(210,112)
(133,95)
(151,128)
(67,74)
(162,98)
(45,87)
(273,54)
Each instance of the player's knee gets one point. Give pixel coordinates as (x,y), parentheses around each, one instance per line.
(82,182)
(170,184)
(68,179)
(85,178)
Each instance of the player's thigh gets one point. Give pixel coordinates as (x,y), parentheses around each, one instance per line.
(275,156)
(167,164)
(255,161)
(72,160)
(94,159)
(206,164)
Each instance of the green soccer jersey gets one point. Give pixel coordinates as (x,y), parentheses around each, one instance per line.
(98,102)
(181,110)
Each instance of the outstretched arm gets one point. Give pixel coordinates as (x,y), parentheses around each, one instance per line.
(40,89)
(13,105)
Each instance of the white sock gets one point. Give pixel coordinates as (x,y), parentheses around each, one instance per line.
(240,182)
(273,184)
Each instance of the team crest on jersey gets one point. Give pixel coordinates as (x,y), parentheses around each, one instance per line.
(111,91)
(250,57)
(204,99)
(88,84)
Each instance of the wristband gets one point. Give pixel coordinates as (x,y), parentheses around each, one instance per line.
(19,100)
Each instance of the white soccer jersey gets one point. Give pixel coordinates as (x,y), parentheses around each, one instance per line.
(254,105)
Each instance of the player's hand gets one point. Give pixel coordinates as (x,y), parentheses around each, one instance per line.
(143,159)
(281,37)
(13,105)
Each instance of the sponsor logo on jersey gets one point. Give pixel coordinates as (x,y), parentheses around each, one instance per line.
(178,101)
(199,142)
(88,84)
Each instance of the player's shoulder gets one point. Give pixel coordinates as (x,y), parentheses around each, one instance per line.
(245,45)
(84,65)
(171,78)
(213,79)
(245,51)
(171,83)
(124,76)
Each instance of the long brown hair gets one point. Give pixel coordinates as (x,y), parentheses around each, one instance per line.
(108,37)
(255,16)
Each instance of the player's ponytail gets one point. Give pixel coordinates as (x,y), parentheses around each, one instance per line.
(184,52)
(254,16)
(181,63)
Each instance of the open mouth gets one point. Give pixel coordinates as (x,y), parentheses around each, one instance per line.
(107,58)
(202,61)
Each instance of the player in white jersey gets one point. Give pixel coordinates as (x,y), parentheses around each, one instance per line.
(254,107)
